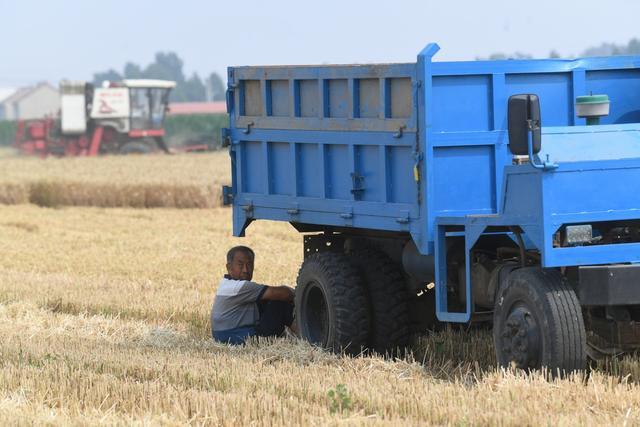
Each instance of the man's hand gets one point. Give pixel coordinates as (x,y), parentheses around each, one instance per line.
(278,293)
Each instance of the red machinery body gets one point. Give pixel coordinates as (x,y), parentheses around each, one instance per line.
(118,118)
(42,138)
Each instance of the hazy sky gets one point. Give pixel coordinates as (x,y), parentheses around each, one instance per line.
(51,40)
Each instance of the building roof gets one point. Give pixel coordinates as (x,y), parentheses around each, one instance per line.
(179,108)
(22,92)
(6,92)
(17,94)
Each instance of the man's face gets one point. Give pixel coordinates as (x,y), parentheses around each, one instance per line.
(241,267)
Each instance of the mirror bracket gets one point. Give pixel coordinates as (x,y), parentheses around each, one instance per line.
(547,164)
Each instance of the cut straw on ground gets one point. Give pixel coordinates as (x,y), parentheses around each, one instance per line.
(104,318)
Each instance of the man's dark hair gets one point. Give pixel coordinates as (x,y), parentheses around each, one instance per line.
(232,253)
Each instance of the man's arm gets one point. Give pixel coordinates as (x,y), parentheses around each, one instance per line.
(278,293)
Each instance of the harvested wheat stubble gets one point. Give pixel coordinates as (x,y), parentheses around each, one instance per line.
(178,181)
(104,319)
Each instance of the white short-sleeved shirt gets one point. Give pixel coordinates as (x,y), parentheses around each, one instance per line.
(235,304)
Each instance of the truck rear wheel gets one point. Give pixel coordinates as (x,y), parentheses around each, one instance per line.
(537,322)
(388,301)
(331,304)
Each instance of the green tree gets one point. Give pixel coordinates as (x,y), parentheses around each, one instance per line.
(612,49)
(193,89)
(633,48)
(132,71)
(169,66)
(110,75)
(215,87)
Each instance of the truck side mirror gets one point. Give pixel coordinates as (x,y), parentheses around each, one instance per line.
(524,117)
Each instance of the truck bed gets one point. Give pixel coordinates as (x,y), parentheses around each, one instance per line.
(391,147)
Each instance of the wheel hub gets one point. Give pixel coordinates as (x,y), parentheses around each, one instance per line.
(521,338)
(316,316)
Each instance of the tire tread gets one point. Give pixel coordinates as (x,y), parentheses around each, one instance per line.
(567,352)
(347,296)
(388,301)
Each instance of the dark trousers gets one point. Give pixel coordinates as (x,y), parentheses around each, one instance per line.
(274,316)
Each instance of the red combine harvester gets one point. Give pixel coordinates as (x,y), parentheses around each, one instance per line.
(119,118)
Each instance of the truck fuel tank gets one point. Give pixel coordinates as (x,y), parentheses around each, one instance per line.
(419,267)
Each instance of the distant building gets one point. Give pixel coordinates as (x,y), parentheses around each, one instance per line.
(5,92)
(30,103)
(181,108)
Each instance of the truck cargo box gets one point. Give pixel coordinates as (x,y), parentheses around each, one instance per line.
(392,146)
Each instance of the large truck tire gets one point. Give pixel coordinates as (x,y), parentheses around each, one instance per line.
(538,323)
(331,303)
(388,299)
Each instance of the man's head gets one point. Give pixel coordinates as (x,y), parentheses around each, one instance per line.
(240,263)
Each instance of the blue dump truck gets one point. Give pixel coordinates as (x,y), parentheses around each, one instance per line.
(502,193)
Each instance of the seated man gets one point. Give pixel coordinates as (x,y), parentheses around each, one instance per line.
(242,308)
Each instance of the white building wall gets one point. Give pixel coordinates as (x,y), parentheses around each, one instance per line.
(8,111)
(4,94)
(42,101)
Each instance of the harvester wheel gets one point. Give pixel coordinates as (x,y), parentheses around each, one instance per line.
(537,323)
(331,303)
(135,147)
(388,301)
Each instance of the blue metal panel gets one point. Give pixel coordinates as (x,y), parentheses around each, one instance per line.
(464,180)
(593,255)
(591,143)
(279,98)
(339,101)
(372,175)
(401,185)
(555,93)
(343,145)
(424,71)
(594,187)
(309,98)
(327,97)
(367,98)
(280,178)
(253,167)
(308,160)
(535,65)
(462,103)
(622,86)
(338,172)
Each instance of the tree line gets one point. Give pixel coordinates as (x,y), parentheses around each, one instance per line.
(605,49)
(169,66)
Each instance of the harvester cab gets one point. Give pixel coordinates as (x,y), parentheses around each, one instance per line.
(134,107)
(118,118)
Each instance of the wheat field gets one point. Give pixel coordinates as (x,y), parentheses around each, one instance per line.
(104,320)
(157,180)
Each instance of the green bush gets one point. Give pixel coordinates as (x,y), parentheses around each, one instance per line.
(7,132)
(205,127)
(180,129)
(339,399)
